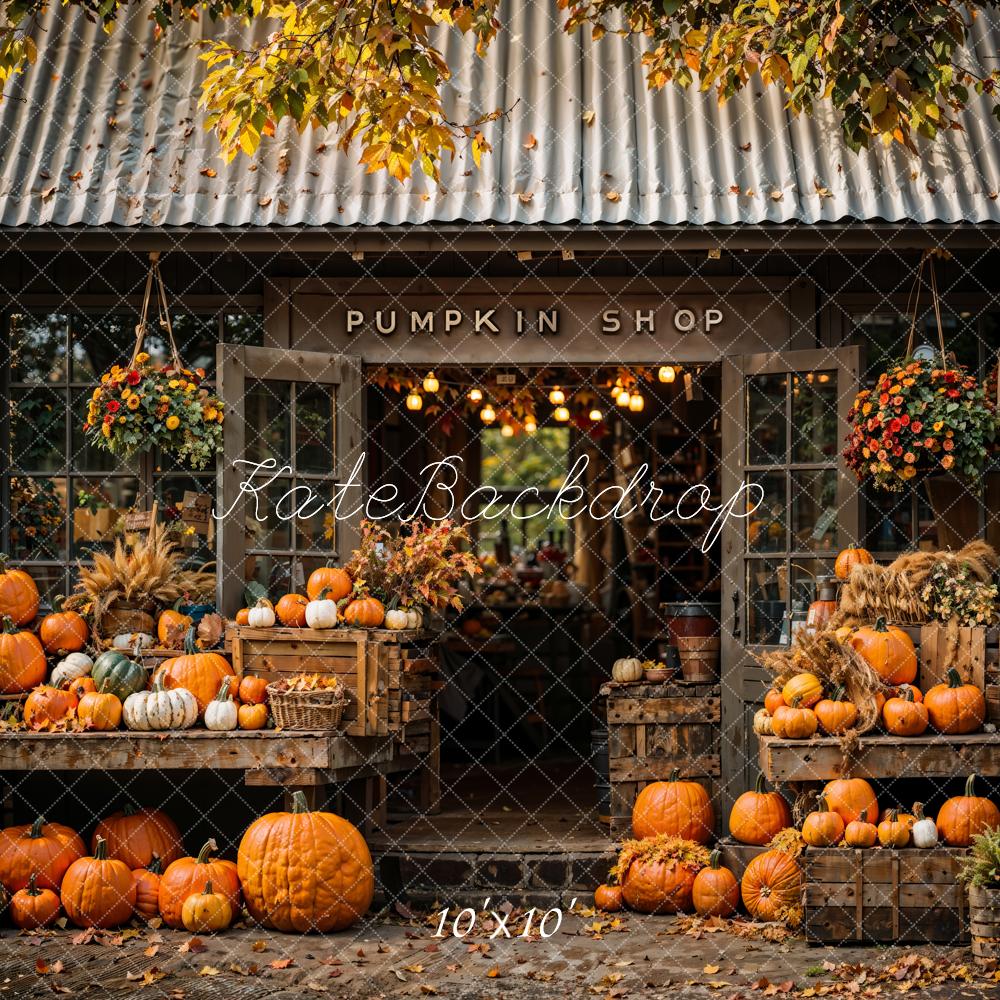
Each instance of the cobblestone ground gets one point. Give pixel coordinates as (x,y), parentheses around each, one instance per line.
(643,956)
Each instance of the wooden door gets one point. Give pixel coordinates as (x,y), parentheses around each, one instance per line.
(783,430)
(302,412)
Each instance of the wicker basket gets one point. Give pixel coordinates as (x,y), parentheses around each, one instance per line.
(306,709)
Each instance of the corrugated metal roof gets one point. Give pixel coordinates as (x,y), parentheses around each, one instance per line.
(100,133)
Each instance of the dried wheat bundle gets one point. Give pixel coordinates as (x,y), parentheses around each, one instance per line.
(875,591)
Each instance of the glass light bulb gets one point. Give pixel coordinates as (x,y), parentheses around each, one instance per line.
(530,427)
(561,414)
(475,395)
(557,397)
(414,401)
(667,373)
(507,431)
(487,414)
(623,398)
(431,383)
(596,415)
(636,403)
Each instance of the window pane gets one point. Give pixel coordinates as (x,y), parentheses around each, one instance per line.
(766,529)
(315,516)
(805,576)
(538,459)
(38,429)
(195,336)
(244,328)
(38,518)
(888,520)
(273,573)
(38,348)
(272,533)
(814,417)
(98,507)
(100,341)
(766,424)
(51,583)
(169,491)
(767,586)
(814,510)
(314,444)
(268,421)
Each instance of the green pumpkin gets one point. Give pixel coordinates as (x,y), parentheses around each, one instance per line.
(115,673)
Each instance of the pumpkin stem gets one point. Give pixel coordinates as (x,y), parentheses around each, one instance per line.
(8,625)
(57,603)
(838,693)
(300,805)
(321,596)
(130,808)
(33,889)
(101,850)
(970,785)
(189,644)
(881,625)
(759,785)
(206,851)
(954,678)
(893,816)
(208,888)
(674,776)
(223,694)
(155,866)
(821,806)
(714,859)
(36,828)
(907,695)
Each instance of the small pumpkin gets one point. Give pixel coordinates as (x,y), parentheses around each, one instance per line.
(955,708)
(899,691)
(63,632)
(892,831)
(758,815)
(651,886)
(81,686)
(159,709)
(252,716)
(22,659)
(964,816)
(18,594)
(848,558)
(221,715)
(364,612)
(243,616)
(322,612)
(627,670)
(100,711)
(134,642)
(835,714)
(395,619)
(804,689)
(138,835)
(261,615)
(924,830)
(678,808)
(118,674)
(853,798)
(888,650)
(715,892)
(42,849)
(253,690)
(206,912)
(771,885)
(32,908)
(334,580)
(98,891)
(71,667)
(201,673)
(793,722)
(905,717)
(773,700)
(291,610)
(47,705)
(172,626)
(763,723)
(608,898)
(822,827)
(147,889)
(858,833)
(189,875)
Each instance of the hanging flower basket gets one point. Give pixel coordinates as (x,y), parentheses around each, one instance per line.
(144,405)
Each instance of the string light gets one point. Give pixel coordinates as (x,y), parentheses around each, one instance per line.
(530,426)
(557,397)
(475,395)
(595,415)
(667,373)
(487,414)
(431,383)
(414,401)
(623,398)
(507,431)
(636,403)
(561,414)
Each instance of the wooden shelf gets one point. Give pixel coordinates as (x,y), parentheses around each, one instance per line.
(881,757)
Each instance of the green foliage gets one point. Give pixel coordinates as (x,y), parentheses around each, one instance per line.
(981,867)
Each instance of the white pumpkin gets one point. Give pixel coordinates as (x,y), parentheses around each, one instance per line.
(133,641)
(395,619)
(71,668)
(321,613)
(763,723)
(924,830)
(159,709)
(414,618)
(261,615)
(627,670)
(221,711)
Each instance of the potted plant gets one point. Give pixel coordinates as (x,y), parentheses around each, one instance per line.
(980,871)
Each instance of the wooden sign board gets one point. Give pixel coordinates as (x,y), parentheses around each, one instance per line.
(139,520)
(195,510)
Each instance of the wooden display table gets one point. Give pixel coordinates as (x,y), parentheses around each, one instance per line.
(881,756)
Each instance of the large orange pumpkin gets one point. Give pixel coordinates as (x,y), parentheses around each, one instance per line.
(334,580)
(305,871)
(675,807)
(47,705)
(365,612)
(147,890)
(772,884)
(608,898)
(189,875)
(964,816)
(42,849)
(31,907)
(291,610)
(715,892)
(852,798)
(18,594)
(758,815)
(651,886)
(63,632)
(22,659)
(98,891)
(136,836)
(200,673)
(888,651)
(955,707)
(847,559)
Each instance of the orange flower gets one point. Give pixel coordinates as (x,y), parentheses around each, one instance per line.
(948,461)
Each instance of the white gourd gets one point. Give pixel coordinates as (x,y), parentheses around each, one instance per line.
(221,714)
(395,619)
(627,670)
(414,619)
(261,615)
(159,709)
(321,613)
(924,831)
(71,668)
(132,641)
(763,723)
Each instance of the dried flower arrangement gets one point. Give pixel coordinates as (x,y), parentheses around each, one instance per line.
(953,593)
(661,848)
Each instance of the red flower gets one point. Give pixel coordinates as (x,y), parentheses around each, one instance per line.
(905,420)
(953,394)
(917,427)
(898,450)
(895,426)
(113,406)
(133,377)
(948,444)
(884,398)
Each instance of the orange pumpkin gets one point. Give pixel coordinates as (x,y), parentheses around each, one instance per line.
(42,849)
(136,836)
(253,690)
(147,889)
(187,876)
(251,717)
(804,689)
(888,651)
(892,831)
(18,595)
(715,892)
(903,716)
(771,885)
(243,616)
(305,871)
(847,559)
(792,722)
(852,798)
(98,891)
(678,808)
(823,827)
(956,707)
(860,834)
(31,907)
(200,673)
(22,659)
(608,898)
(172,626)
(908,818)
(364,612)
(834,714)
(100,710)
(47,705)
(291,610)
(758,815)
(82,686)
(334,580)
(63,632)
(964,816)
(900,691)
(659,886)
(773,700)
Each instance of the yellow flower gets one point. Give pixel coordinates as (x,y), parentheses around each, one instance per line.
(893,390)
(97,393)
(164,399)
(190,387)
(133,402)
(105,378)
(173,422)
(938,425)
(126,393)
(121,420)
(909,472)
(173,383)
(106,430)
(220,417)
(866,409)
(211,413)
(141,357)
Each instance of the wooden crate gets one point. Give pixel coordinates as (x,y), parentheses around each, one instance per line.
(883,895)
(977,656)
(654,728)
(736,856)
(391,674)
